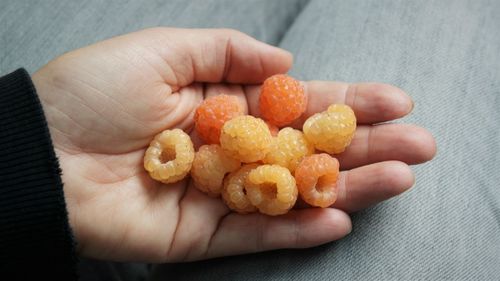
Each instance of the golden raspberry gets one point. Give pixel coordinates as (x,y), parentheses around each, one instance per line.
(211,115)
(210,165)
(272,189)
(169,156)
(316,178)
(288,149)
(282,99)
(246,138)
(332,130)
(234,193)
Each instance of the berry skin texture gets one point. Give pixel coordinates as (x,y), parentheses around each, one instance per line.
(169,156)
(288,149)
(211,115)
(210,165)
(332,130)
(282,99)
(233,193)
(246,138)
(316,178)
(272,189)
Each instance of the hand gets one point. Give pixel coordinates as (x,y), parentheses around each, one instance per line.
(104,103)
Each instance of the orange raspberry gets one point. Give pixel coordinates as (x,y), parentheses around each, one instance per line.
(210,165)
(332,130)
(288,149)
(246,138)
(282,99)
(316,178)
(169,156)
(211,115)
(234,193)
(272,189)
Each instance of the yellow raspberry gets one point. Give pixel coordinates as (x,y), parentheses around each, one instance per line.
(246,138)
(210,165)
(272,189)
(288,149)
(234,193)
(332,130)
(169,156)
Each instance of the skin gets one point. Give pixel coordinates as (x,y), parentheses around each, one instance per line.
(105,102)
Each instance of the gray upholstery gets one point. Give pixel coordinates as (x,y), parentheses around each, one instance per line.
(34,32)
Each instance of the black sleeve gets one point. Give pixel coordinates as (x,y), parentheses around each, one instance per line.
(35,238)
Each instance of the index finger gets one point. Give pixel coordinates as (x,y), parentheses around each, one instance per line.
(371,102)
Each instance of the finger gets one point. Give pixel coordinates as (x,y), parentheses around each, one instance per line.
(371,102)
(407,143)
(363,187)
(238,234)
(215,55)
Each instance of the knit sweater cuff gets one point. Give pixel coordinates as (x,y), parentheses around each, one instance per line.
(35,237)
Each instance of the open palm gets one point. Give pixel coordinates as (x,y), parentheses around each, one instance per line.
(104,103)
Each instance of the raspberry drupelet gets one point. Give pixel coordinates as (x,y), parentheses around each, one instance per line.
(169,156)
(288,149)
(332,130)
(234,194)
(282,99)
(211,115)
(246,138)
(209,167)
(272,189)
(316,178)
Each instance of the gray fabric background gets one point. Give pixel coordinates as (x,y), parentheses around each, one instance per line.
(445,54)
(34,32)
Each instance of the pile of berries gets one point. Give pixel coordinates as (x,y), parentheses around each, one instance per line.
(248,161)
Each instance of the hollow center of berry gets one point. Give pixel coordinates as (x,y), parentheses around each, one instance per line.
(324,183)
(168,154)
(269,190)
